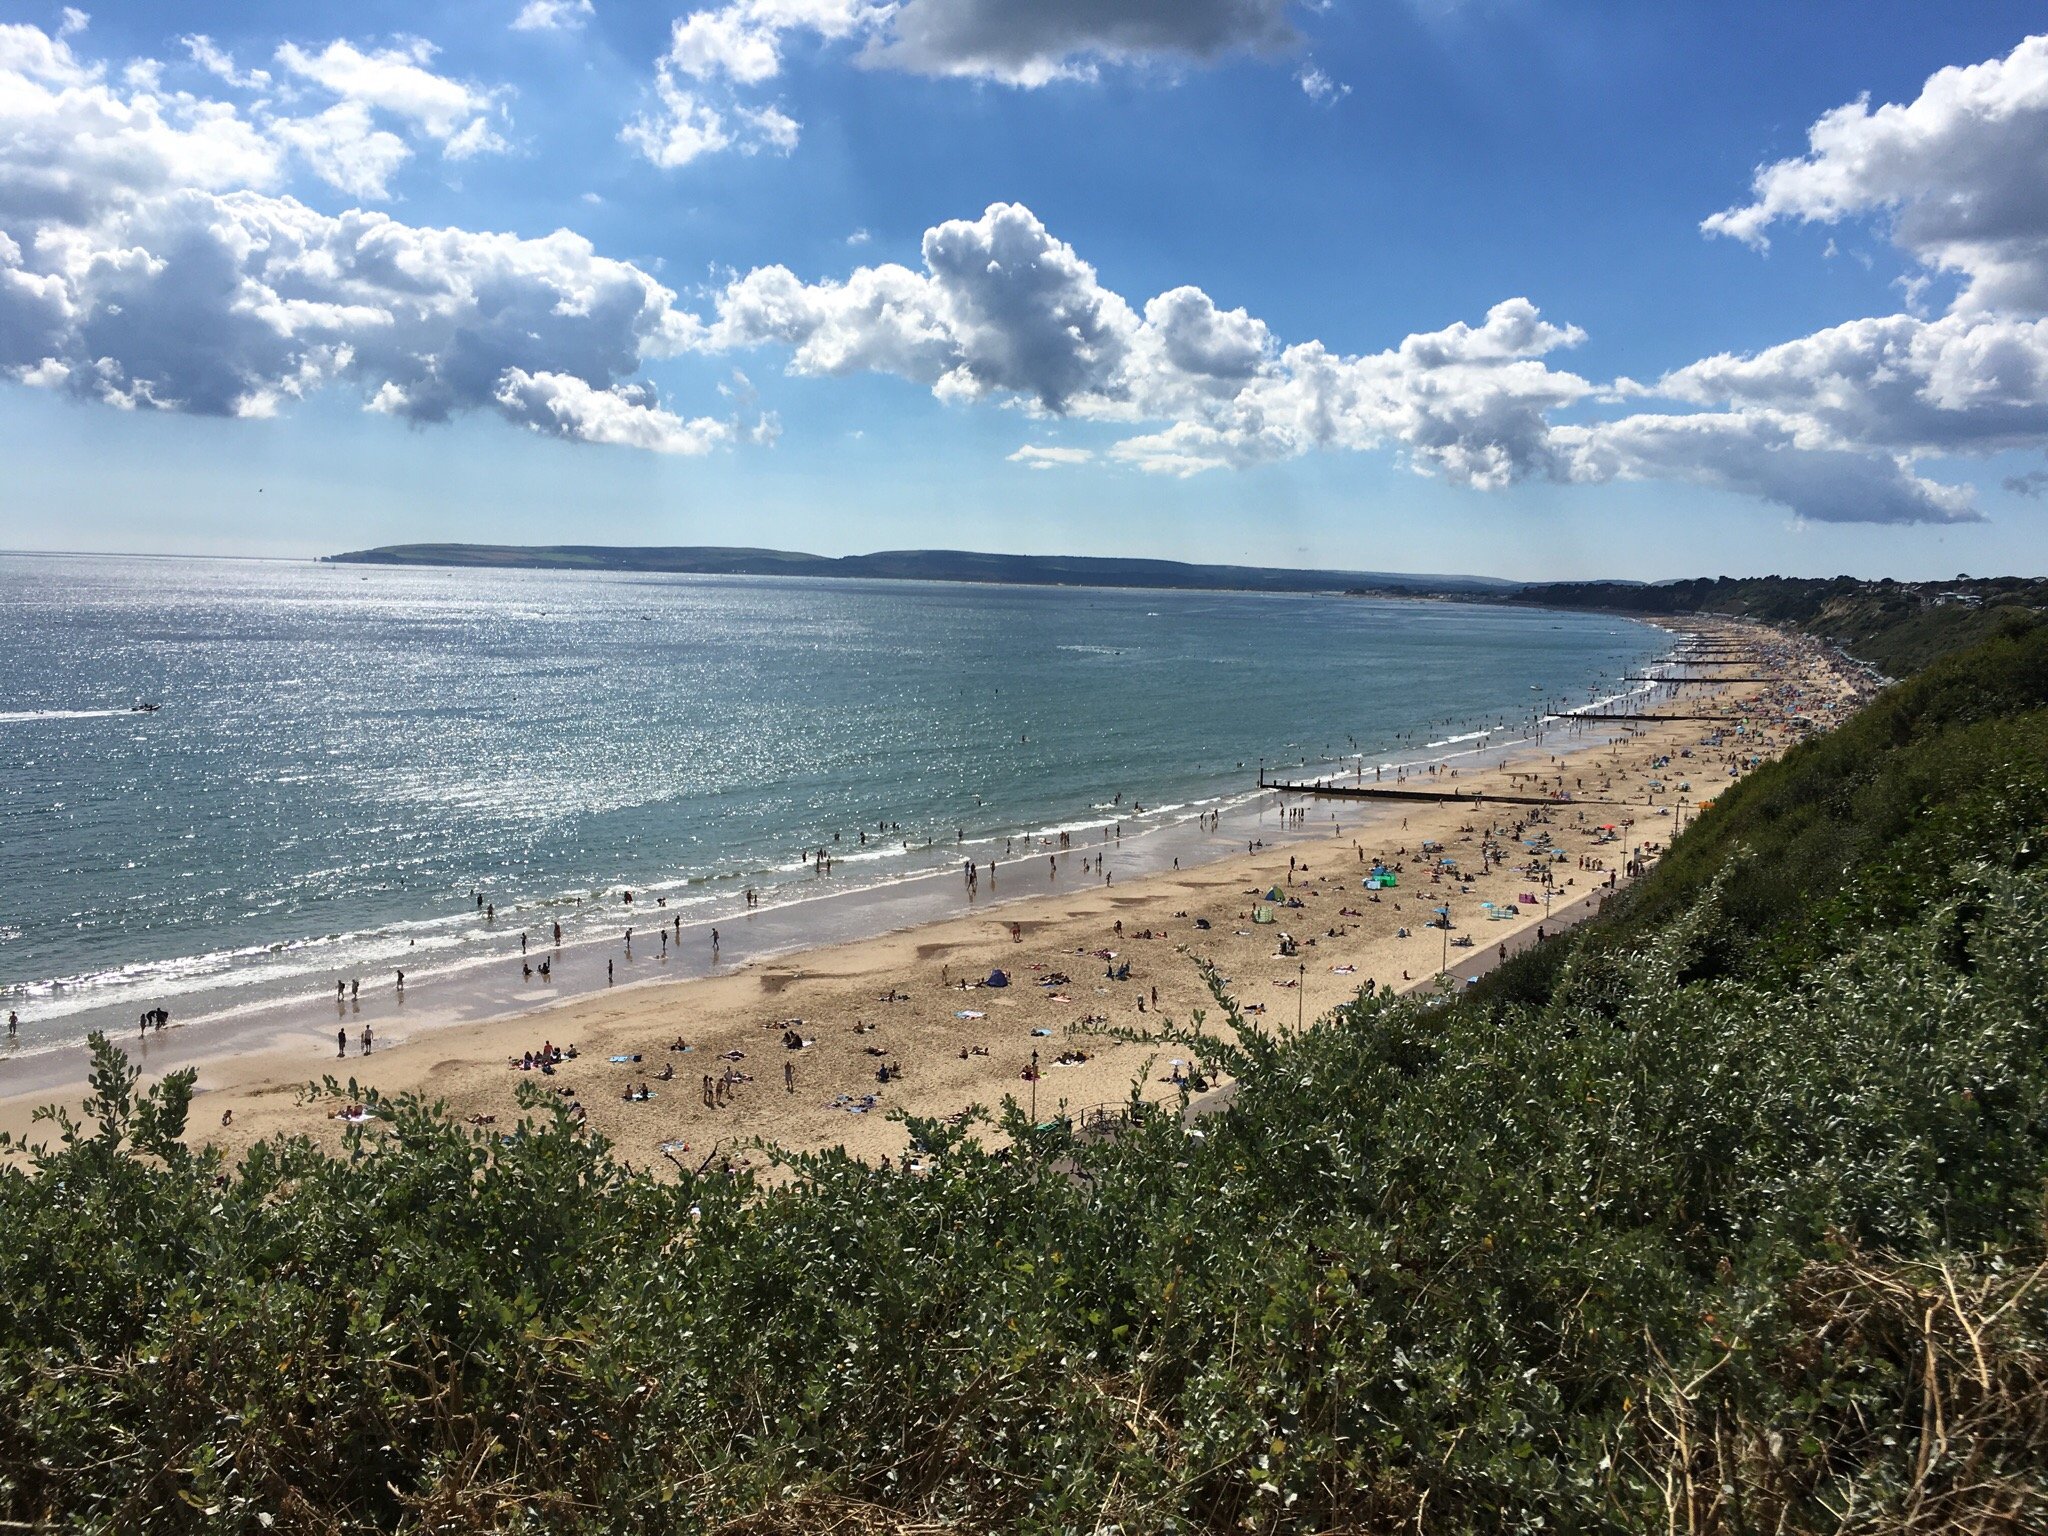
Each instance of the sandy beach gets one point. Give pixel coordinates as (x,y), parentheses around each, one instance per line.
(1085,956)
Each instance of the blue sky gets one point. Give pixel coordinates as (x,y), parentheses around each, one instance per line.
(1503,286)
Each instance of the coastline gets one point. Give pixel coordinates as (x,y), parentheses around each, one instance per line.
(777,965)
(338,850)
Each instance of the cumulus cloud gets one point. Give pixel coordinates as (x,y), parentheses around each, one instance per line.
(553,15)
(147,262)
(1964,383)
(563,405)
(714,52)
(1003,310)
(1956,172)
(1764,455)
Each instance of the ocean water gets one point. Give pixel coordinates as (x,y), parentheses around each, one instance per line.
(345,757)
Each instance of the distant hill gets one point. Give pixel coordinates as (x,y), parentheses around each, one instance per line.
(923,565)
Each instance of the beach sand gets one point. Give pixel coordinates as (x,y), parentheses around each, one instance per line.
(834,998)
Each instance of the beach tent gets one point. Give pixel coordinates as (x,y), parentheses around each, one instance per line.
(1274,894)
(1262,914)
(996,979)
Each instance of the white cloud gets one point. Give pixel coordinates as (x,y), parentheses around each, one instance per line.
(1956,172)
(1318,86)
(219,62)
(684,124)
(1002,310)
(345,149)
(350,143)
(397,81)
(72,21)
(1965,383)
(859,237)
(553,15)
(147,261)
(563,405)
(1050,456)
(394,79)
(679,129)
(1767,456)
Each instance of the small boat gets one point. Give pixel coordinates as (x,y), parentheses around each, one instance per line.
(139,708)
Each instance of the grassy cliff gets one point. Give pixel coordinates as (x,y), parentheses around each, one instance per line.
(1898,627)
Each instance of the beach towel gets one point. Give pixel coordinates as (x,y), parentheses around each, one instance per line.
(970,1013)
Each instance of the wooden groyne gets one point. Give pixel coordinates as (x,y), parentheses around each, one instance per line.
(1432,796)
(1719,719)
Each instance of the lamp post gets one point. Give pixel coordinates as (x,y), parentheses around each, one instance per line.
(1034,1090)
(1300,991)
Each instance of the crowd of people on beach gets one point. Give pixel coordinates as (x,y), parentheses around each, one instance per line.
(1598,806)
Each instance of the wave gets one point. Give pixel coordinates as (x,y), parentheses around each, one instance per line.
(26,716)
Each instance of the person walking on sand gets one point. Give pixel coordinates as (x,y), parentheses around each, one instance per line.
(607,973)
(367,1038)
(340,1044)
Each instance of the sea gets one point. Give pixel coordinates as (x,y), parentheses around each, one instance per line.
(340,766)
